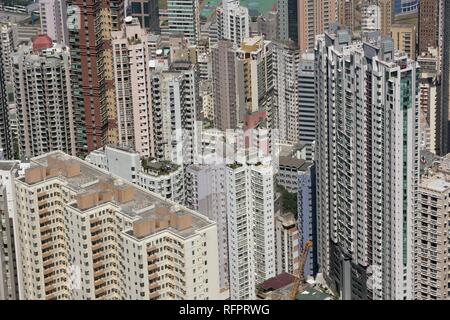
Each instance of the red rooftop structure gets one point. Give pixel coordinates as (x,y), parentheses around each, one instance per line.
(42,42)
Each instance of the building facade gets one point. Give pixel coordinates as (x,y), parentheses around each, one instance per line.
(184,19)
(233,22)
(251,236)
(43,94)
(367,166)
(286,64)
(53,17)
(131,53)
(93,236)
(92,71)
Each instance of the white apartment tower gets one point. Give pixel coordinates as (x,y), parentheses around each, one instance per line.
(173,94)
(251,230)
(367,166)
(131,54)
(44,98)
(206,194)
(53,17)
(9,283)
(286,64)
(233,22)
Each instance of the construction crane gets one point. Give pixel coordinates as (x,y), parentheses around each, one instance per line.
(301,270)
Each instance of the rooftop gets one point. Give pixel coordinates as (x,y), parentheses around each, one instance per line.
(300,164)
(160,167)
(8,165)
(313,294)
(436,184)
(95,187)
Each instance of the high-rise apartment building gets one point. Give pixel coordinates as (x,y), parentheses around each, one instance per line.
(367,159)
(206,194)
(226,112)
(306,102)
(6,147)
(173,94)
(8,43)
(9,281)
(251,230)
(314,18)
(431,257)
(387,16)
(428,19)
(131,54)
(53,18)
(287,20)
(147,12)
(184,19)
(254,77)
(286,65)
(429,99)
(444,106)
(370,17)
(404,36)
(43,94)
(287,241)
(84,234)
(346,13)
(307,217)
(90,24)
(233,22)
(268,25)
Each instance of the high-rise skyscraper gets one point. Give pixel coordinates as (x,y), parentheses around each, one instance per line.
(367,160)
(8,43)
(184,19)
(206,193)
(314,17)
(226,113)
(428,19)
(431,259)
(233,22)
(173,95)
(90,26)
(130,57)
(404,37)
(251,233)
(346,13)
(5,133)
(53,17)
(286,65)
(444,105)
(387,16)
(44,98)
(287,20)
(306,102)
(254,76)
(9,275)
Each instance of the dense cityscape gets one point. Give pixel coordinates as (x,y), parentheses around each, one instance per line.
(224,150)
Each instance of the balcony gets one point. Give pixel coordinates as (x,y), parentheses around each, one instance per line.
(153,295)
